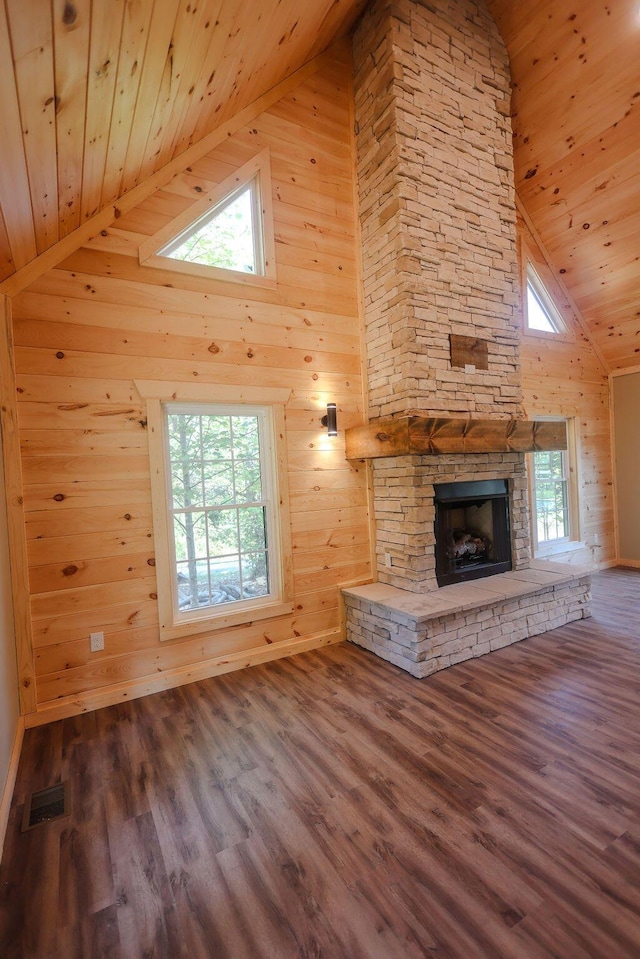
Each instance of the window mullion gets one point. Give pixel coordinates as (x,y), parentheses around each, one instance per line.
(239,552)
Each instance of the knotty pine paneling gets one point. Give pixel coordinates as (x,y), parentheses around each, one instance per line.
(97,96)
(85,330)
(562,376)
(574,70)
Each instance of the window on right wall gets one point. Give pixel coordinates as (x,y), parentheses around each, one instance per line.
(541,314)
(553,485)
(550,503)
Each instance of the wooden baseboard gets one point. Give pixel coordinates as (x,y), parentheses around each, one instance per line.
(12,773)
(145,686)
(633,563)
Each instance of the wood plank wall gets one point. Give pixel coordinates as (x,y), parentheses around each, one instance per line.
(85,330)
(563,376)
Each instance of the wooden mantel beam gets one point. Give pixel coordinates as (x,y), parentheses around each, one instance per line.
(407,435)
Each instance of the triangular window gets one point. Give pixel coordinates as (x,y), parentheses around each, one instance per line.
(229,236)
(541,312)
(226,234)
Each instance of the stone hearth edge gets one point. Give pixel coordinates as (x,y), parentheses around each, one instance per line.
(425,632)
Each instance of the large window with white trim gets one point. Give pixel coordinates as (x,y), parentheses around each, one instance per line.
(221,506)
(220,512)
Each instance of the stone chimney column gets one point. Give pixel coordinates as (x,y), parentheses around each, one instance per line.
(437,207)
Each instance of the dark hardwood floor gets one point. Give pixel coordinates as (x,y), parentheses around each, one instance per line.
(331,805)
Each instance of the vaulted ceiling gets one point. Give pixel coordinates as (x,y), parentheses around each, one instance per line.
(97,95)
(575,69)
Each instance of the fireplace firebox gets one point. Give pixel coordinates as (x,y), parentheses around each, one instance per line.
(472,530)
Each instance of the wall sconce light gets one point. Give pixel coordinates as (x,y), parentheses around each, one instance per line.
(330,420)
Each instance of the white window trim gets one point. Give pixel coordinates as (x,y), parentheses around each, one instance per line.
(253,186)
(561,332)
(573,541)
(258,169)
(158,394)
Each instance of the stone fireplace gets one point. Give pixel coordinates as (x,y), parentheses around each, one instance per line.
(440,272)
(405,510)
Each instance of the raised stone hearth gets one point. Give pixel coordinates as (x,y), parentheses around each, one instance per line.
(427,632)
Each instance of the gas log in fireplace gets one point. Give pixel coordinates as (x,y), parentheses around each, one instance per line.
(472,532)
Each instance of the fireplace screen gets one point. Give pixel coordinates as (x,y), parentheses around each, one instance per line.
(472,530)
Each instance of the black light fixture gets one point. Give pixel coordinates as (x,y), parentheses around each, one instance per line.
(330,420)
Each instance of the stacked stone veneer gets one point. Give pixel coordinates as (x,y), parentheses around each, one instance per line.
(405,511)
(425,637)
(437,207)
(438,221)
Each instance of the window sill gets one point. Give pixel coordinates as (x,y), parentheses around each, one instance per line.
(241,617)
(265,280)
(553,549)
(547,335)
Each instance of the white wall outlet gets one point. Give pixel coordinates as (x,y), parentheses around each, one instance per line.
(387,559)
(97,642)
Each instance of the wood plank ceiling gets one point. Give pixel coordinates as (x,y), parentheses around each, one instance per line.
(576,113)
(95,95)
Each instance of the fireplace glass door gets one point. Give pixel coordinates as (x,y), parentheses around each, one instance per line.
(472,531)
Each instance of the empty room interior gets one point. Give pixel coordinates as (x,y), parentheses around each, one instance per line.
(320,542)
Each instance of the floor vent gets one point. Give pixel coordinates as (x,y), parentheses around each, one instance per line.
(46,805)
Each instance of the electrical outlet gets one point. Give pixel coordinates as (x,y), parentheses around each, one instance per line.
(387,559)
(97,642)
